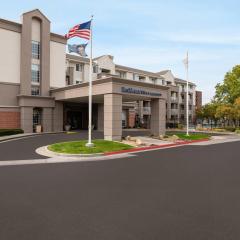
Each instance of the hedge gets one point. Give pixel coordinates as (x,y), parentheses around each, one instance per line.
(6,132)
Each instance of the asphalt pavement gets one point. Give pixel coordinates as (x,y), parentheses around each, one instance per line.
(185,193)
(24,148)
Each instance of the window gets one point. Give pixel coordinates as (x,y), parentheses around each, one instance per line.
(79,67)
(190,118)
(37,117)
(174,106)
(103,70)
(174,117)
(95,68)
(135,77)
(153,80)
(35,73)
(35,50)
(35,91)
(142,78)
(121,74)
(67,80)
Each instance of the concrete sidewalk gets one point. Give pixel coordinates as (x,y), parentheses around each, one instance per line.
(219,140)
(23,135)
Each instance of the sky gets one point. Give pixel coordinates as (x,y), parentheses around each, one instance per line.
(152,35)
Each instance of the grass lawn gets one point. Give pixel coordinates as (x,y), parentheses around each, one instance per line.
(78,147)
(195,136)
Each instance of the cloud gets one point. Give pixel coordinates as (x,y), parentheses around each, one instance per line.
(206,39)
(226,37)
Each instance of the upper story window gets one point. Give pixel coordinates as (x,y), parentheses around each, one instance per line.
(35,90)
(35,73)
(35,50)
(79,67)
(103,70)
(95,68)
(121,74)
(174,106)
(135,77)
(67,80)
(153,80)
(169,83)
(142,78)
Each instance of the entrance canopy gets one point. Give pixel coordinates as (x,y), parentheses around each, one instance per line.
(109,93)
(129,89)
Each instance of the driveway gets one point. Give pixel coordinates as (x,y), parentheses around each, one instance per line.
(23,149)
(187,193)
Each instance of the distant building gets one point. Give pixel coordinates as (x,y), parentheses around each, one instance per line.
(198,100)
(177,98)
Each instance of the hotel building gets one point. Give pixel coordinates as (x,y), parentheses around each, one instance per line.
(42,85)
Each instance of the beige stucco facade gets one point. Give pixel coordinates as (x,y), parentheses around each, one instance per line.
(10,56)
(57,64)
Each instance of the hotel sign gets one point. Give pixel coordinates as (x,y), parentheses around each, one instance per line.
(140,92)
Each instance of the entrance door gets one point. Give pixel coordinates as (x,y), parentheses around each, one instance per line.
(75,119)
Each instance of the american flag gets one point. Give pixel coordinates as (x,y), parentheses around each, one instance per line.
(82,30)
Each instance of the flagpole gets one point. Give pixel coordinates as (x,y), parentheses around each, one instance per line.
(89,143)
(187,76)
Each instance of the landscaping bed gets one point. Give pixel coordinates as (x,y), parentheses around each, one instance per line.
(194,136)
(8,132)
(78,147)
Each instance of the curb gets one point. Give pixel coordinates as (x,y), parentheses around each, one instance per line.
(19,136)
(155,147)
(44,151)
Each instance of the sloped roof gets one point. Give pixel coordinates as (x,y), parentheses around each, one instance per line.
(179,80)
(96,58)
(125,68)
(163,72)
(37,10)
(77,58)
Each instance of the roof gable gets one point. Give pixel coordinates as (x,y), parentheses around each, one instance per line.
(36,12)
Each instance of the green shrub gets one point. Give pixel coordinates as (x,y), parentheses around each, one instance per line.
(237,131)
(219,130)
(180,126)
(230,129)
(6,132)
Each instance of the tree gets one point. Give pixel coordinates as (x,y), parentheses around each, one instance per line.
(229,90)
(237,110)
(200,114)
(208,112)
(226,112)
